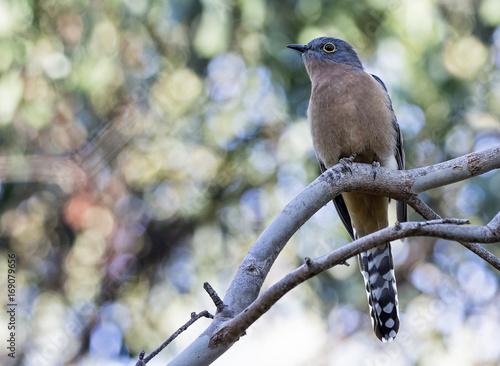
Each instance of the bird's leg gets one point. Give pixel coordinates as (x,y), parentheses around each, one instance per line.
(375,166)
(346,162)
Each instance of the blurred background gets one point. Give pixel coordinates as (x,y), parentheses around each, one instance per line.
(144,146)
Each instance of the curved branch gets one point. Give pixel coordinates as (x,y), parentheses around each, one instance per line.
(446,229)
(400,185)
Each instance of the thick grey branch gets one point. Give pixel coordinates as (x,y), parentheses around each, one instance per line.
(400,185)
(455,170)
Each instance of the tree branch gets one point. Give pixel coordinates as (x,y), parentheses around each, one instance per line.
(194,317)
(446,228)
(400,185)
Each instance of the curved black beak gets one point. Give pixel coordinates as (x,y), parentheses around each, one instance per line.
(298,47)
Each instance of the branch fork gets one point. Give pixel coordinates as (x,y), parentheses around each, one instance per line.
(242,298)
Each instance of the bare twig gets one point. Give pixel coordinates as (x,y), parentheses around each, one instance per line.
(194,317)
(429,214)
(141,361)
(219,304)
(422,208)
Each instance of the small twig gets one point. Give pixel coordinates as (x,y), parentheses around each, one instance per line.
(141,361)
(219,304)
(440,221)
(483,253)
(194,317)
(429,214)
(422,208)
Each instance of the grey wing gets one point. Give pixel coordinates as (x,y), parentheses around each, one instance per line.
(401,208)
(399,153)
(341,207)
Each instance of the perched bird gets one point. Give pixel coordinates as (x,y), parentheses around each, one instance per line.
(351,117)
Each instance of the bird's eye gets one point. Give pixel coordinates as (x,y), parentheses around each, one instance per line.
(329,47)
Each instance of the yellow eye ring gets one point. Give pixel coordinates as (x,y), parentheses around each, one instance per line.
(329,47)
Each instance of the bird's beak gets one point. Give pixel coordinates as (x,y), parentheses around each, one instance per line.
(298,47)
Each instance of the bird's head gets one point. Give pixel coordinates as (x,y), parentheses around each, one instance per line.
(328,49)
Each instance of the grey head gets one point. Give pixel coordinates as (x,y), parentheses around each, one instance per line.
(328,49)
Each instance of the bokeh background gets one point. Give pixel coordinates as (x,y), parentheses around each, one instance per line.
(144,145)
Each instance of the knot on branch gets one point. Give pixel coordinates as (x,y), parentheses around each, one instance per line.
(226,335)
(141,361)
(252,269)
(474,164)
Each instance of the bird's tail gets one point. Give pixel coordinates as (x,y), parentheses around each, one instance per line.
(378,271)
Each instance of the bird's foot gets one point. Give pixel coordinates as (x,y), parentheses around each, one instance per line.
(375,166)
(346,162)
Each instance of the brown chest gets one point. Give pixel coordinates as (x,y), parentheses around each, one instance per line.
(349,114)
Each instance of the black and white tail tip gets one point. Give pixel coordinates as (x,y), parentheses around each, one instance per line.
(377,268)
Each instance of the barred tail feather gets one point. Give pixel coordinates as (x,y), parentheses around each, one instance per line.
(377,268)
